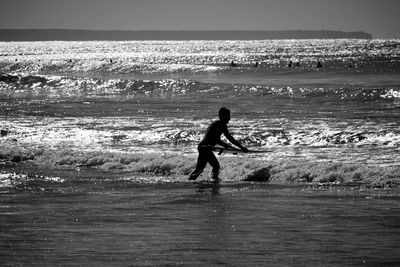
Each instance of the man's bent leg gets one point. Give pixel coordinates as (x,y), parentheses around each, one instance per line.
(201,164)
(196,173)
(215,166)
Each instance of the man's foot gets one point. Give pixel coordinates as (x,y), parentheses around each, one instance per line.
(193,176)
(214,177)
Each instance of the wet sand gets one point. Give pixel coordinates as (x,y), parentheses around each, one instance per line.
(110,223)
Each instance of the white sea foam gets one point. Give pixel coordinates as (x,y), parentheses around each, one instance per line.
(125,133)
(10,180)
(392,93)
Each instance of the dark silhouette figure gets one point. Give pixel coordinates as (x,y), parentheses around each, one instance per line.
(297,64)
(233,64)
(319,64)
(290,64)
(212,138)
(256,65)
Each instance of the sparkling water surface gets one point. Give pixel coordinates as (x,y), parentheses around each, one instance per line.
(97,140)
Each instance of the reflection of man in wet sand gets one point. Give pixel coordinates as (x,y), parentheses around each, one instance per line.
(233,64)
(211,138)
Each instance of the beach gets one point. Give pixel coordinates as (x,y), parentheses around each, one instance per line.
(98,139)
(114,221)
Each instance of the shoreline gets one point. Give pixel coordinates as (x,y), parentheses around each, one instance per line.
(25,174)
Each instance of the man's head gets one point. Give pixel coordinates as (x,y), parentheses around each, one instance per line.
(224,115)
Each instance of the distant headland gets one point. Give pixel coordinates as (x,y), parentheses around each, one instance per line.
(113,35)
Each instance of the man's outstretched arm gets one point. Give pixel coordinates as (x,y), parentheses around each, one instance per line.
(223,144)
(233,141)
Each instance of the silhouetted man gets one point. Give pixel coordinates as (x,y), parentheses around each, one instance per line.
(211,138)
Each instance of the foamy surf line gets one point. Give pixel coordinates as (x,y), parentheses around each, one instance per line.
(166,151)
(169,167)
(144,133)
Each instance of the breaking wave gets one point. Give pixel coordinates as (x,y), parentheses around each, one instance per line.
(137,133)
(57,86)
(174,167)
(65,86)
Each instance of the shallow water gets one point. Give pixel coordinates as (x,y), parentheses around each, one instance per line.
(235,224)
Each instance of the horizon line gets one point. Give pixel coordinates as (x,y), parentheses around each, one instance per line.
(35,34)
(180,30)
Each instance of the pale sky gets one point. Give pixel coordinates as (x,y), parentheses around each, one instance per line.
(378,17)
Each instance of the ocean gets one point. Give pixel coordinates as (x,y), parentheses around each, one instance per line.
(98,138)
